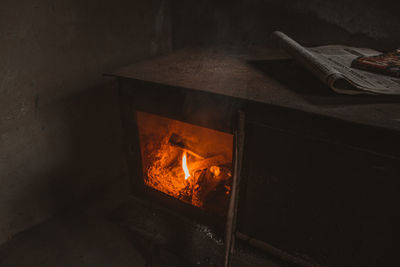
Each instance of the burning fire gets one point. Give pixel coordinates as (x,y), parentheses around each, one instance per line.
(184,166)
(185,161)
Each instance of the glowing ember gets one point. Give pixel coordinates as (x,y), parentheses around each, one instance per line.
(215,170)
(184,166)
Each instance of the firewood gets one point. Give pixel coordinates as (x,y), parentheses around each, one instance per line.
(203,164)
(207,186)
(204,185)
(208,162)
(179,141)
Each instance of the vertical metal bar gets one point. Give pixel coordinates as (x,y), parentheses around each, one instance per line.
(233,202)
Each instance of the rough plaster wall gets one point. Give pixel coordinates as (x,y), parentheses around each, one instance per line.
(312,22)
(377,19)
(59,121)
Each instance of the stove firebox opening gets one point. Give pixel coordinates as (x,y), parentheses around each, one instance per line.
(185,161)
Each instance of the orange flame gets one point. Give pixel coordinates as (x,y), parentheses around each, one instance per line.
(184,166)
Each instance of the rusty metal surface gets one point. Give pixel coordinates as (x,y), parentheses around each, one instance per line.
(262,75)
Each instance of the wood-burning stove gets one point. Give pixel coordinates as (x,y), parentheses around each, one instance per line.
(164,125)
(180,148)
(312,178)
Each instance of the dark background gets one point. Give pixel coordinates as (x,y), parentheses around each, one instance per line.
(311,22)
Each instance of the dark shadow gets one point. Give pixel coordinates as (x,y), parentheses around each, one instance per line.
(81,149)
(304,83)
(241,22)
(160,239)
(94,142)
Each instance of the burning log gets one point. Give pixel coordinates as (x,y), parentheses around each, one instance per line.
(207,163)
(210,185)
(208,179)
(178,141)
(204,164)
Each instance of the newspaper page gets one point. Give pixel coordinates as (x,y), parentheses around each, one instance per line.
(331,64)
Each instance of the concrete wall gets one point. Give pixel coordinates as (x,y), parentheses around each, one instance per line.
(312,22)
(59,121)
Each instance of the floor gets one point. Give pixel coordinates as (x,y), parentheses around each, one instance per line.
(88,236)
(79,237)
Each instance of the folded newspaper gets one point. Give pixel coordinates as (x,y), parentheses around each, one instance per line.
(332,65)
